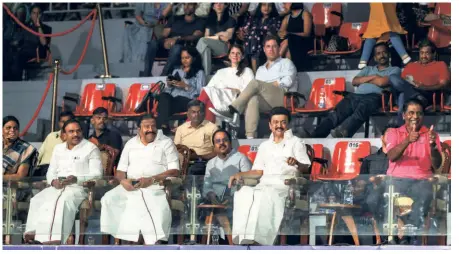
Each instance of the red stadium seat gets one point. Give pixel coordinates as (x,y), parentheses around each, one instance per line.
(94,96)
(139,95)
(346,160)
(353,32)
(323,19)
(317,167)
(249,151)
(329,85)
(440,29)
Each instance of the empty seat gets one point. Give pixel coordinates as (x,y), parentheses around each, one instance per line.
(94,96)
(440,29)
(249,151)
(346,160)
(137,102)
(353,32)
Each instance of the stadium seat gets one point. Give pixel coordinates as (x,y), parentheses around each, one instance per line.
(94,96)
(323,19)
(249,151)
(346,161)
(440,29)
(317,166)
(138,101)
(353,32)
(331,99)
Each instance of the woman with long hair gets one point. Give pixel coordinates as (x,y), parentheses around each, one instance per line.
(296,34)
(184,85)
(219,31)
(227,83)
(265,21)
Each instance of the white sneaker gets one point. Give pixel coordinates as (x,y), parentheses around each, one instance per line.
(361,65)
(226,116)
(406,60)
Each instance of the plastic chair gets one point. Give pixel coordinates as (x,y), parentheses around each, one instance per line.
(249,151)
(138,97)
(353,32)
(94,96)
(440,29)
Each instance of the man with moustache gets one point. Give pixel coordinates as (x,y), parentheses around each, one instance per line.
(355,108)
(421,79)
(258,211)
(139,204)
(196,134)
(219,170)
(413,151)
(276,77)
(52,211)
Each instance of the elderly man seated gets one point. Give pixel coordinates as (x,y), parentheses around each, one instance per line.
(196,134)
(258,211)
(139,204)
(52,211)
(218,172)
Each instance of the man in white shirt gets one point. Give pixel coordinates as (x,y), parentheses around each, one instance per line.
(276,77)
(52,211)
(47,147)
(139,204)
(218,171)
(258,211)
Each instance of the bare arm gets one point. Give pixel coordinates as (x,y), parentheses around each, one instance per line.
(307,25)
(167,10)
(226,35)
(166,32)
(357,81)
(140,19)
(395,153)
(196,35)
(23,171)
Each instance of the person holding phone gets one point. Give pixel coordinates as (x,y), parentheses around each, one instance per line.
(52,211)
(183,85)
(258,211)
(139,203)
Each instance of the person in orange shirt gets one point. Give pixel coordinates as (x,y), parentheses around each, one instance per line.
(413,151)
(421,79)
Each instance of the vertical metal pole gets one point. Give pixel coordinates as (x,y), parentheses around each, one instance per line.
(54,102)
(102,40)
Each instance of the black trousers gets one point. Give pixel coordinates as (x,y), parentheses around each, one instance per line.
(168,105)
(350,113)
(421,192)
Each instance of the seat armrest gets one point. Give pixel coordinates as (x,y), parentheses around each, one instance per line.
(342,93)
(68,98)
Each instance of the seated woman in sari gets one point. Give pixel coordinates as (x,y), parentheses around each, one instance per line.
(19,157)
(227,83)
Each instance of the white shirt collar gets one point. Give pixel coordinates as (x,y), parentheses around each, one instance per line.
(82,143)
(159,136)
(287,135)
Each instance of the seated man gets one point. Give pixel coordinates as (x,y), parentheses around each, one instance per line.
(227,163)
(258,211)
(52,211)
(47,147)
(421,79)
(276,77)
(355,108)
(178,31)
(413,150)
(196,134)
(102,135)
(139,204)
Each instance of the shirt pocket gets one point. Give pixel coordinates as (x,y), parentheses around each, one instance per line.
(80,165)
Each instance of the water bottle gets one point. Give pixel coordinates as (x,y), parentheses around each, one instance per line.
(215,236)
(322,97)
(348,194)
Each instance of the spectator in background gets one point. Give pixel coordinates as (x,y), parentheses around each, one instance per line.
(148,22)
(265,21)
(47,147)
(239,12)
(383,25)
(421,79)
(281,8)
(355,108)
(219,31)
(196,134)
(227,83)
(188,81)
(296,33)
(20,45)
(414,153)
(180,31)
(276,77)
(202,9)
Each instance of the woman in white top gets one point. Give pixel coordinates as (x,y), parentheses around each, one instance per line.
(227,83)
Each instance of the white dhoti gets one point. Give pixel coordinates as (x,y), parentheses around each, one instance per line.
(258,213)
(125,214)
(220,98)
(52,212)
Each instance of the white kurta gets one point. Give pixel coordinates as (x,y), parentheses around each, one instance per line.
(52,211)
(258,211)
(125,214)
(217,89)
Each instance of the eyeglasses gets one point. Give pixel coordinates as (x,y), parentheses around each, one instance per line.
(417,113)
(222,140)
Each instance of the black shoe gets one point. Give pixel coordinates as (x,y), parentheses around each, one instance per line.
(338,133)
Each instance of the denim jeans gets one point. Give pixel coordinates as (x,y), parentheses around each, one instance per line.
(371,42)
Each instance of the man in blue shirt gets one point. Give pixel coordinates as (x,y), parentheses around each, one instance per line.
(355,108)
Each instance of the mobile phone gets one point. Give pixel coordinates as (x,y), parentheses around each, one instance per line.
(61,178)
(134,182)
